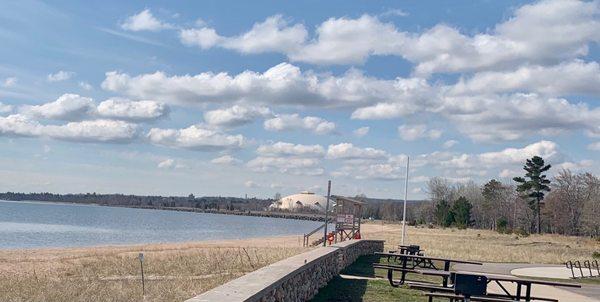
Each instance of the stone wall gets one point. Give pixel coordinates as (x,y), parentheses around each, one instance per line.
(297,278)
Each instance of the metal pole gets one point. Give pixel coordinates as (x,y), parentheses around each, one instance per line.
(326,212)
(405,199)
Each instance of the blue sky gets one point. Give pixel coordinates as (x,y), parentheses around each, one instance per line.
(229,98)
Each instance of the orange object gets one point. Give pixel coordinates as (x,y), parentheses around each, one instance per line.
(330,238)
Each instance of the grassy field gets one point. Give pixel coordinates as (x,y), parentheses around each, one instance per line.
(486,245)
(173,272)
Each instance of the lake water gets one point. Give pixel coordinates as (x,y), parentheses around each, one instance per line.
(41,224)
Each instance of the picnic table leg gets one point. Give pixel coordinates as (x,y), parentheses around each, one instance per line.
(445,278)
(404,260)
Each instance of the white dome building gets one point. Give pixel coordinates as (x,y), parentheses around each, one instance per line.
(303,200)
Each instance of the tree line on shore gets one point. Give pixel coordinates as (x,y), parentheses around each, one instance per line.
(568,203)
(190,201)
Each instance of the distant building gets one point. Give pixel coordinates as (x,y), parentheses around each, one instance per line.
(304,200)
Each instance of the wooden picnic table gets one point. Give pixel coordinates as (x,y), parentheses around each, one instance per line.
(419,261)
(409,250)
(522,283)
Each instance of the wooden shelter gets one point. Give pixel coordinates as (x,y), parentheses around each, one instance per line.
(348,214)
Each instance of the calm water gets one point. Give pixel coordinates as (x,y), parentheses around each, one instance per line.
(38,224)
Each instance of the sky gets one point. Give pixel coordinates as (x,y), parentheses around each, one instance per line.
(228,98)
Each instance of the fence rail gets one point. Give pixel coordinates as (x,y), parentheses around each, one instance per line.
(589,269)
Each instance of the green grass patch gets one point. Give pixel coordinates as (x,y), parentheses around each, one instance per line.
(341,289)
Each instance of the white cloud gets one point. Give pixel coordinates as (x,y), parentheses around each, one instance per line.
(286,122)
(379,171)
(394,12)
(350,41)
(576,166)
(546,149)
(85,85)
(251,184)
(406,96)
(594,146)
(568,78)
(66,107)
(288,158)
(19,125)
(294,165)
(195,137)
(272,35)
(84,131)
(508,173)
(225,160)
(413,132)
(539,32)
(144,20)
(289,149)
(4,108)
(544,31)
(449,144)
(349,151)
(132,110)
(282,84)
(204,38)
(512,117)
(93,131)
(235,116)
(10,82)
(71,107)
(362,131)
(475,165)
(168,163)
(481,117)
(59,76)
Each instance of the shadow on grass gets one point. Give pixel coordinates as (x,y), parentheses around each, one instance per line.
(349,289)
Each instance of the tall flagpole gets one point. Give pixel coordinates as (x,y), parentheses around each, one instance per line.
(405,199)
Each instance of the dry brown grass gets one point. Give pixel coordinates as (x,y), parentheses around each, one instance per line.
(485,245)
(174,272)
(178,271)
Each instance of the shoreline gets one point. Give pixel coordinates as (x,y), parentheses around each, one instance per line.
(262,241)
(154,245)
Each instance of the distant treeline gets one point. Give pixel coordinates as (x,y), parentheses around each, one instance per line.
(208,202)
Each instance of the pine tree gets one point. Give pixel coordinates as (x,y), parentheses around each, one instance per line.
(462,212)
(443,213)
(534,184)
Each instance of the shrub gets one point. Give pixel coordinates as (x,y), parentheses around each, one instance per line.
(522,232)
(502,225)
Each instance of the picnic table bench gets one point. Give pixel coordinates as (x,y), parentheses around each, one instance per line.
(417,261)
(436,289)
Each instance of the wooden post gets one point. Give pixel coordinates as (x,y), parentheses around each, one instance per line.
(141,257)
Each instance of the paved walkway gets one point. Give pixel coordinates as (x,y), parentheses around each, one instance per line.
(587,292)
